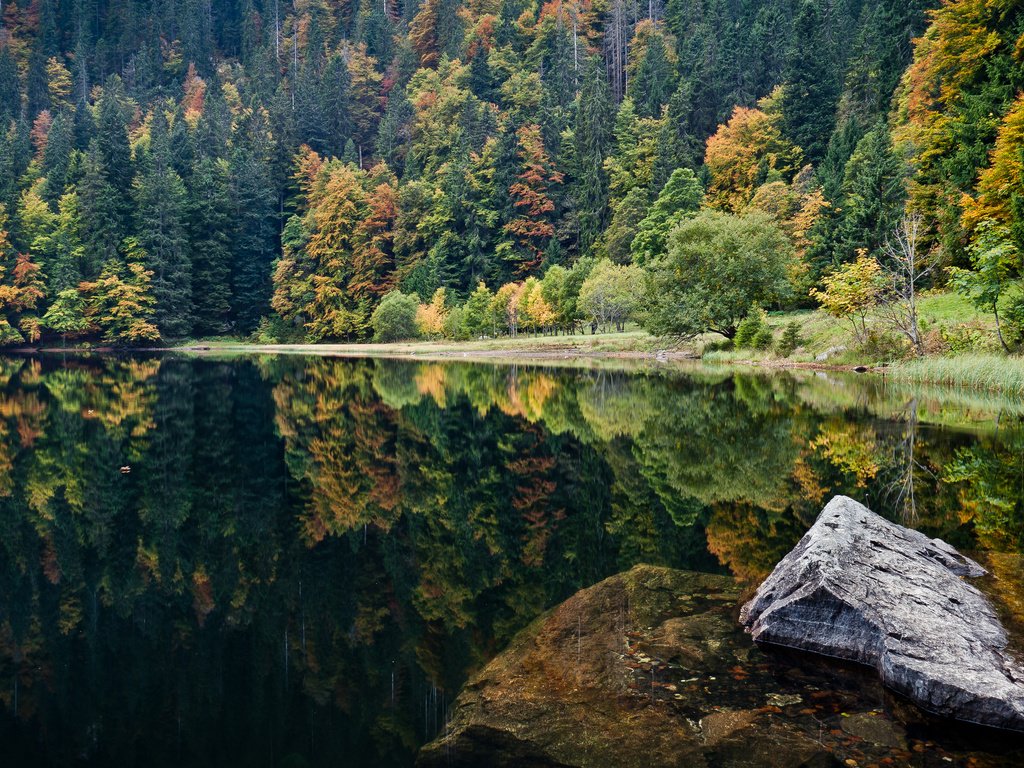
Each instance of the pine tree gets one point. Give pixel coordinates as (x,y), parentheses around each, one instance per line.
(591,140)
(57,157)
(531,193)
(873,195)
(10,87)
(102,215)
(653,80)
(111,140)
(66,268)
(254,241)
(209,228)
(812,84)
(160,208)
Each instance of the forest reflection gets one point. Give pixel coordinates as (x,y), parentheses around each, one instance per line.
(286,561)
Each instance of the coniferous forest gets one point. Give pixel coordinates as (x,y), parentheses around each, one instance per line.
(251,167)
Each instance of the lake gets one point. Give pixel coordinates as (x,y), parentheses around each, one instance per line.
(288,561)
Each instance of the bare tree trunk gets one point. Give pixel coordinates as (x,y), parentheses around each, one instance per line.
(905,268)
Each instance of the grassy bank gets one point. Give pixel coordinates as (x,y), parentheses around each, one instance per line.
(996,373)
(962,342)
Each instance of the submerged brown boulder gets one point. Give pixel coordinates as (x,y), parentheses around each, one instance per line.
(650,668)
(861,588)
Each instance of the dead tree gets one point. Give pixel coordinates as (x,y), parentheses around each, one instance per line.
(905,268)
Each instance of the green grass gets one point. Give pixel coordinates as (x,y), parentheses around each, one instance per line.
(821,332)
(631,340)
(995,373)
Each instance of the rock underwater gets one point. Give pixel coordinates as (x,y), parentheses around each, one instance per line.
(649,668)
(861,588)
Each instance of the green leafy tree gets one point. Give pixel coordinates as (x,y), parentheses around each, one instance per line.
(995,274)
(682,195)
(394,319)
(611,293)
(851,292)
(477,317)
(717,265)
(66,314)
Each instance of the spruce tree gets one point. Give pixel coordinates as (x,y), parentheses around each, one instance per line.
(57,157)
(812,84)
(10,87)
(873,195)
(209,226)
(592,139)
(160,208)
(254,241)
(101,211)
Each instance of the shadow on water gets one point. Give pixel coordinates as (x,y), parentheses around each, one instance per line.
(299,561)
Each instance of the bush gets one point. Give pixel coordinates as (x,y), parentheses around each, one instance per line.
(275,330)
(1013,322)
(763,338)
(394,319)
(455,325)
(723,345)
(750,327)
(966,338)
(790,340)
(883,346)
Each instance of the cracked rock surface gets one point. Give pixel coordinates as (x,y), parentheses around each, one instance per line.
(861,588)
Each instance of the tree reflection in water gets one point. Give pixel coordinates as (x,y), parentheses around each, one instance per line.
(294,561)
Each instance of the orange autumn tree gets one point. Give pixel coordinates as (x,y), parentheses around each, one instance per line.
(373,258)
(1003,179)
(532,228)
(338,254)
(948,106)
(21,290)
(745,149)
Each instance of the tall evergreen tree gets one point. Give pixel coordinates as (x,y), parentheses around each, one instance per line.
(591,139)
(10,87)
(210,228)
(160,208)
(873,195)
(812,84)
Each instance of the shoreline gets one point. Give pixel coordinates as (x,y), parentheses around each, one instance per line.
(621,351)
(596,350)
(515,353)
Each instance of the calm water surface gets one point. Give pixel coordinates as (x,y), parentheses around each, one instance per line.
(289,561)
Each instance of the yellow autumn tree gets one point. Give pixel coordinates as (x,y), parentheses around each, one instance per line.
(851,292)
(430,317)
(744,149)
(1004,176)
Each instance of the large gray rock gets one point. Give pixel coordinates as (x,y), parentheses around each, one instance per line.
(861,588)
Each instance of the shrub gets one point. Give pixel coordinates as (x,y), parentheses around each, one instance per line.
(750,326)
(721,345)
(763,338)
(394,319)
(790,340)
(965,338)
(455,325)
(884,346)
(1013,322)
(275,330)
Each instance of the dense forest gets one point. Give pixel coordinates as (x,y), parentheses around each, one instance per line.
(170,169)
